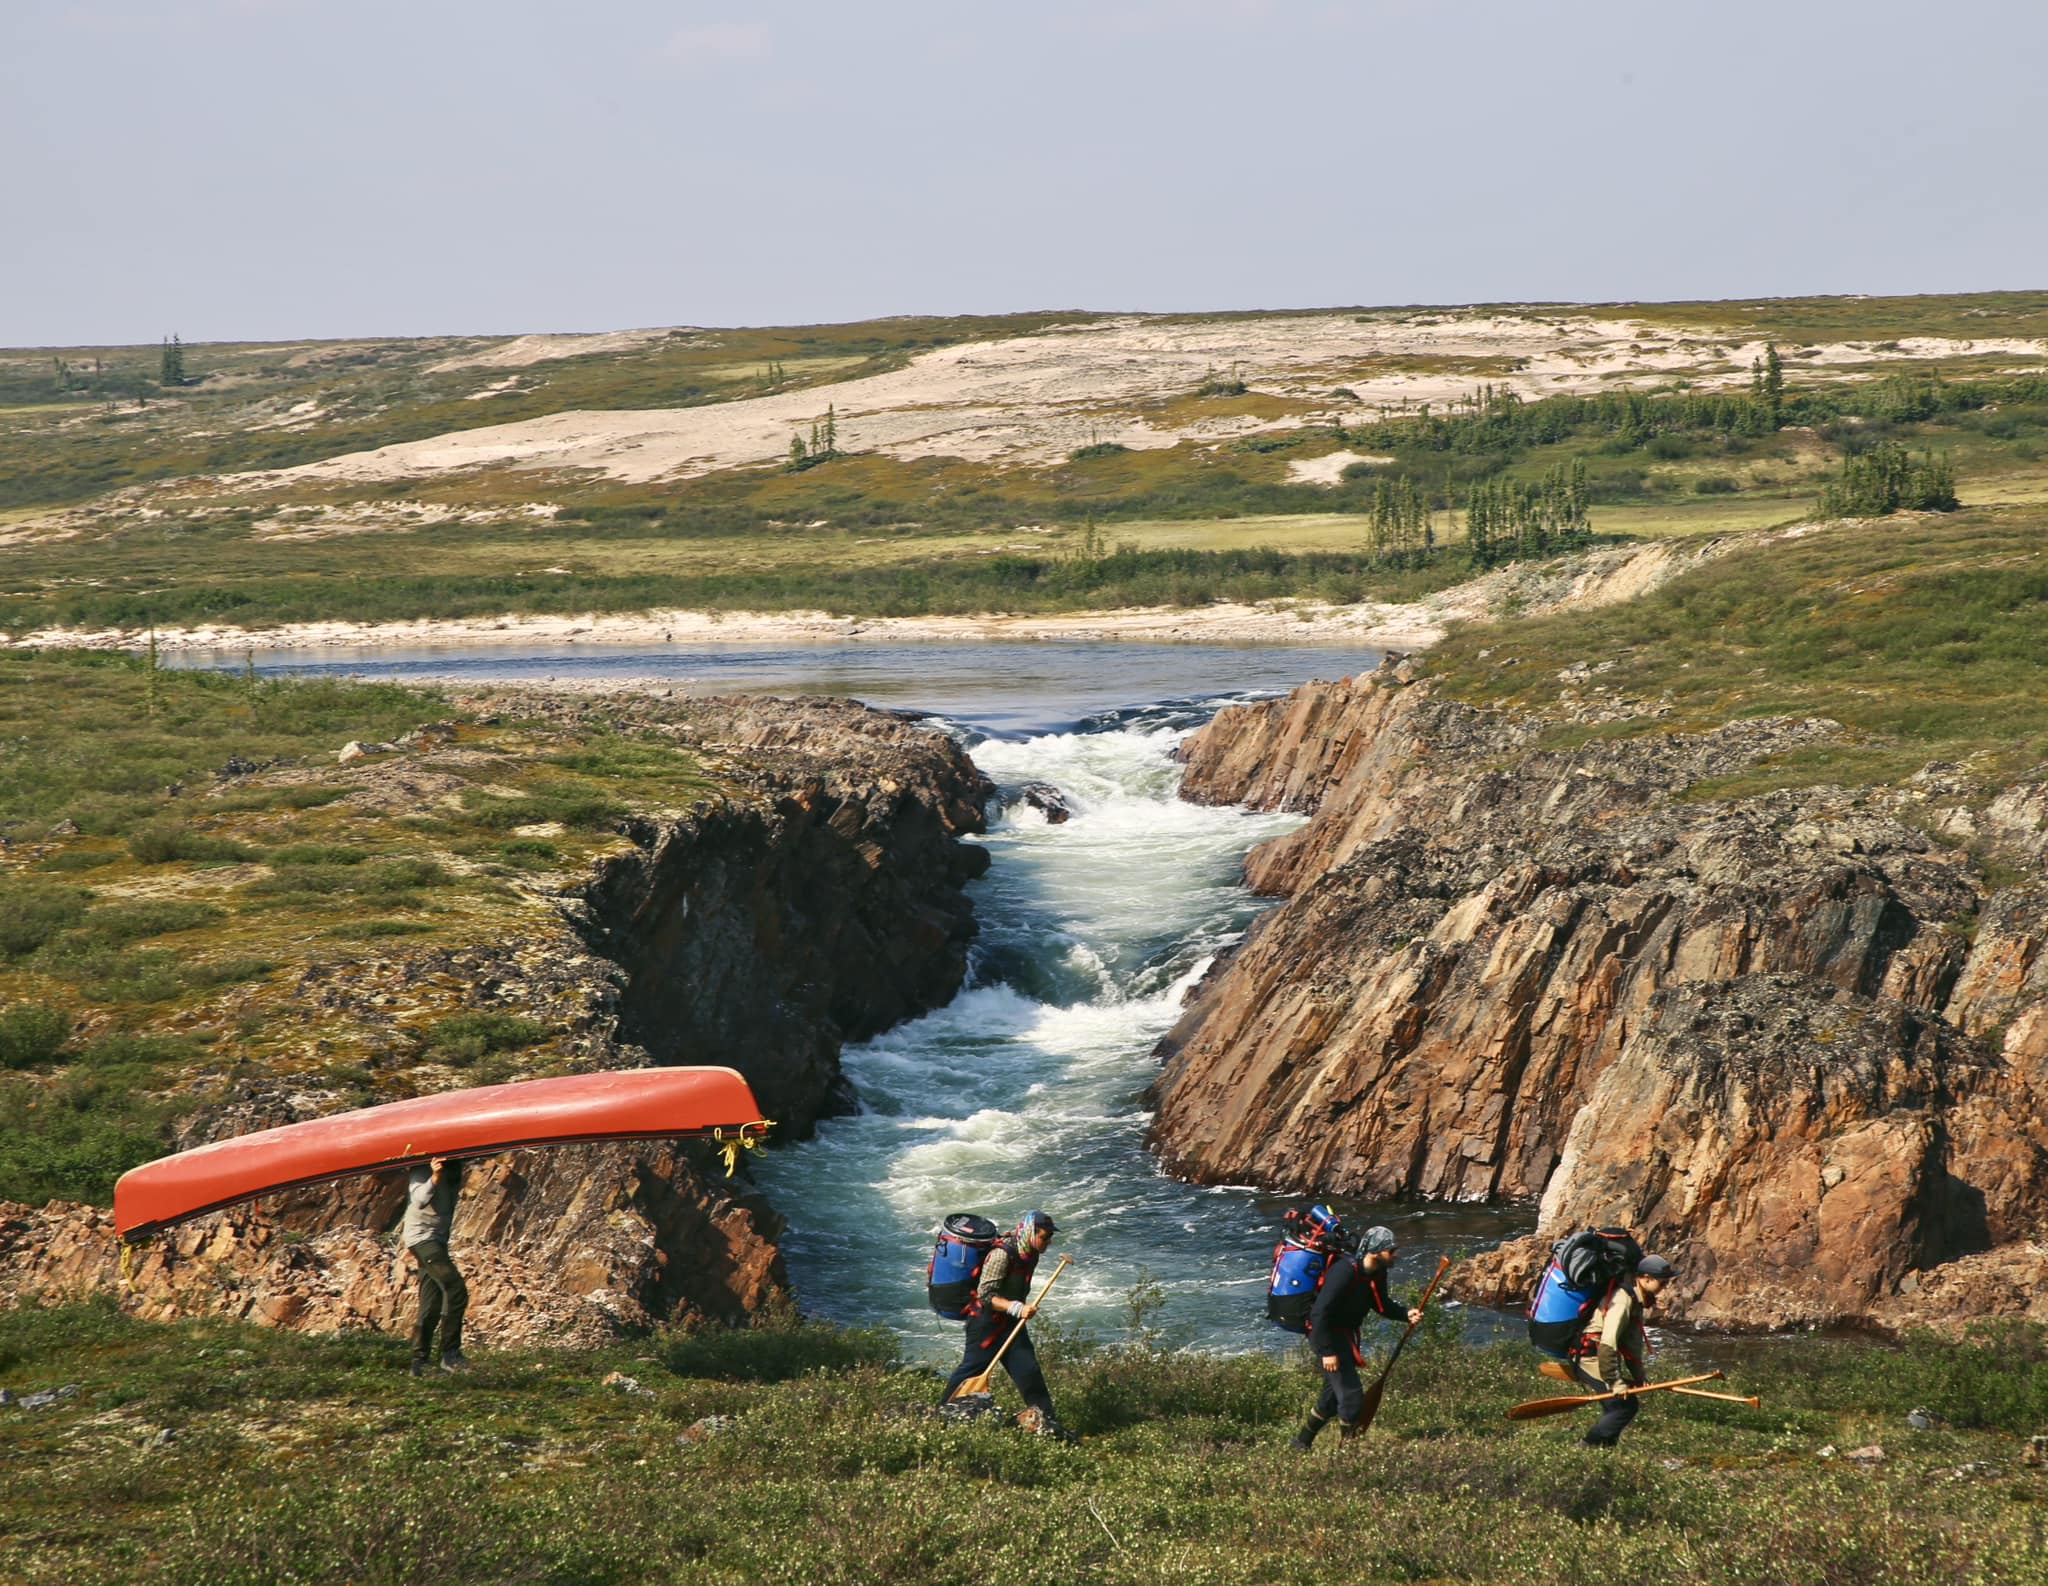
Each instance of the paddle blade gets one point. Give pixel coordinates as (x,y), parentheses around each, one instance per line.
(1536,1409)
(1371,1407)
(972,1386)
(1557,1371)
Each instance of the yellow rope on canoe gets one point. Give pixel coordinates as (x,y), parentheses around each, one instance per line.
(747,1137)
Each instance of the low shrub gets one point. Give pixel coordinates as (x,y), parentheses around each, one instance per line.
(227,972)
(70,1139)
(778,1348)
(463,1038)
(108,973)
(577,811)
(315,854)
(31,1033)
(131,921)
(161,842)
(72,860)
(129,1050)
(31,913)
(1716,485)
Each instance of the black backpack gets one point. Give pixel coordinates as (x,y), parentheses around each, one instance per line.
(1583,1271)
(1598,1257)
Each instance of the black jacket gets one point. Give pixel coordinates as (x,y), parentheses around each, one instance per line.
(1348,1293)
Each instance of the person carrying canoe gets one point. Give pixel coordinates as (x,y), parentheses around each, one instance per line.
(430,1194)
(1623,1346)
(1352,1286)
(1002,1303)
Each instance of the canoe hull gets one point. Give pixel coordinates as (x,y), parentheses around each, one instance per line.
(634,1104)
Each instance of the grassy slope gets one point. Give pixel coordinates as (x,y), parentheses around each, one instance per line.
(154,955)
(860,535)
(1926,635)
(217,1454)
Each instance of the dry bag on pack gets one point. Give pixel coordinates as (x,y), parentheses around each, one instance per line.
(1300,1263)
(1583,1271)
(964,1243)
(1291,1292)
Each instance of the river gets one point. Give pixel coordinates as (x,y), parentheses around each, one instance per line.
(1027,1090)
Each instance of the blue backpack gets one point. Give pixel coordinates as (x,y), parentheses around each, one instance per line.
(1300,1263)
(1583,1272)
(963,1245)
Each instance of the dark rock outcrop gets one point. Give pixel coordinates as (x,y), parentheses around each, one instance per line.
(762,934)
(1772,1033)
(1048,800)
(815,898)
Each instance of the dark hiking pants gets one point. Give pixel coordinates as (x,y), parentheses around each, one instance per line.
(1343,1395)
(443,1299)
(1615,1414)
(1021,1362)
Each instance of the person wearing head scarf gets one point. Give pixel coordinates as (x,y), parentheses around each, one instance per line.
(1002,1305)
(1353,1287)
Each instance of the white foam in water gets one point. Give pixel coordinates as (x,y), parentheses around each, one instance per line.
(1027,1090)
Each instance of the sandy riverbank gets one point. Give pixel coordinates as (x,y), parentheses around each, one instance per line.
(1589,578)
(1375,625)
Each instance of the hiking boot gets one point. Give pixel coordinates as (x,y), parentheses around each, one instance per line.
(1305,1439)
(452,1361)
(1590,1441)
(1347,1433)
(419,1365)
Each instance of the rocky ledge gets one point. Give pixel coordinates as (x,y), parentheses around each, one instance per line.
(1796,1040)
(814,897)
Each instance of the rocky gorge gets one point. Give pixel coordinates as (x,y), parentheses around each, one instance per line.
(1798,1040)
(811,896)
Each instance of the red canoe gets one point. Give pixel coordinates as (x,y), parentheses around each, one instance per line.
(638,1104)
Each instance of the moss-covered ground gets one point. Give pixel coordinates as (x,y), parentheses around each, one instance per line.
(218,1454)
(185,857)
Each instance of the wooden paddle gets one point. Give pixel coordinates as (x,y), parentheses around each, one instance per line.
(1726,1398)
(1373,1393)
(1536,1409)
(1560,1372)
(974,1385)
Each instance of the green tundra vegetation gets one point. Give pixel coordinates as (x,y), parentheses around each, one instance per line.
(1924,638)
(182,850)
(1475,482)
(217,1454)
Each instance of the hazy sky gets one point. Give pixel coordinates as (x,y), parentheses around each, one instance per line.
(236,169)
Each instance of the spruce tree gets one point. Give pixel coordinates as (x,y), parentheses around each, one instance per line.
(172,371)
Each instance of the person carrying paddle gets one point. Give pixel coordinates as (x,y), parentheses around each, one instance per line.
(1623,1349)
(430,1195)
(1352,1286)
(1002,1305)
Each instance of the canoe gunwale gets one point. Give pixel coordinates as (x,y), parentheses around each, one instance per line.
(143,1231)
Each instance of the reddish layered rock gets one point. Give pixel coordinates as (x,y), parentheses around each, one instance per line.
(569,1246)
(818,900)
(1506,974)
